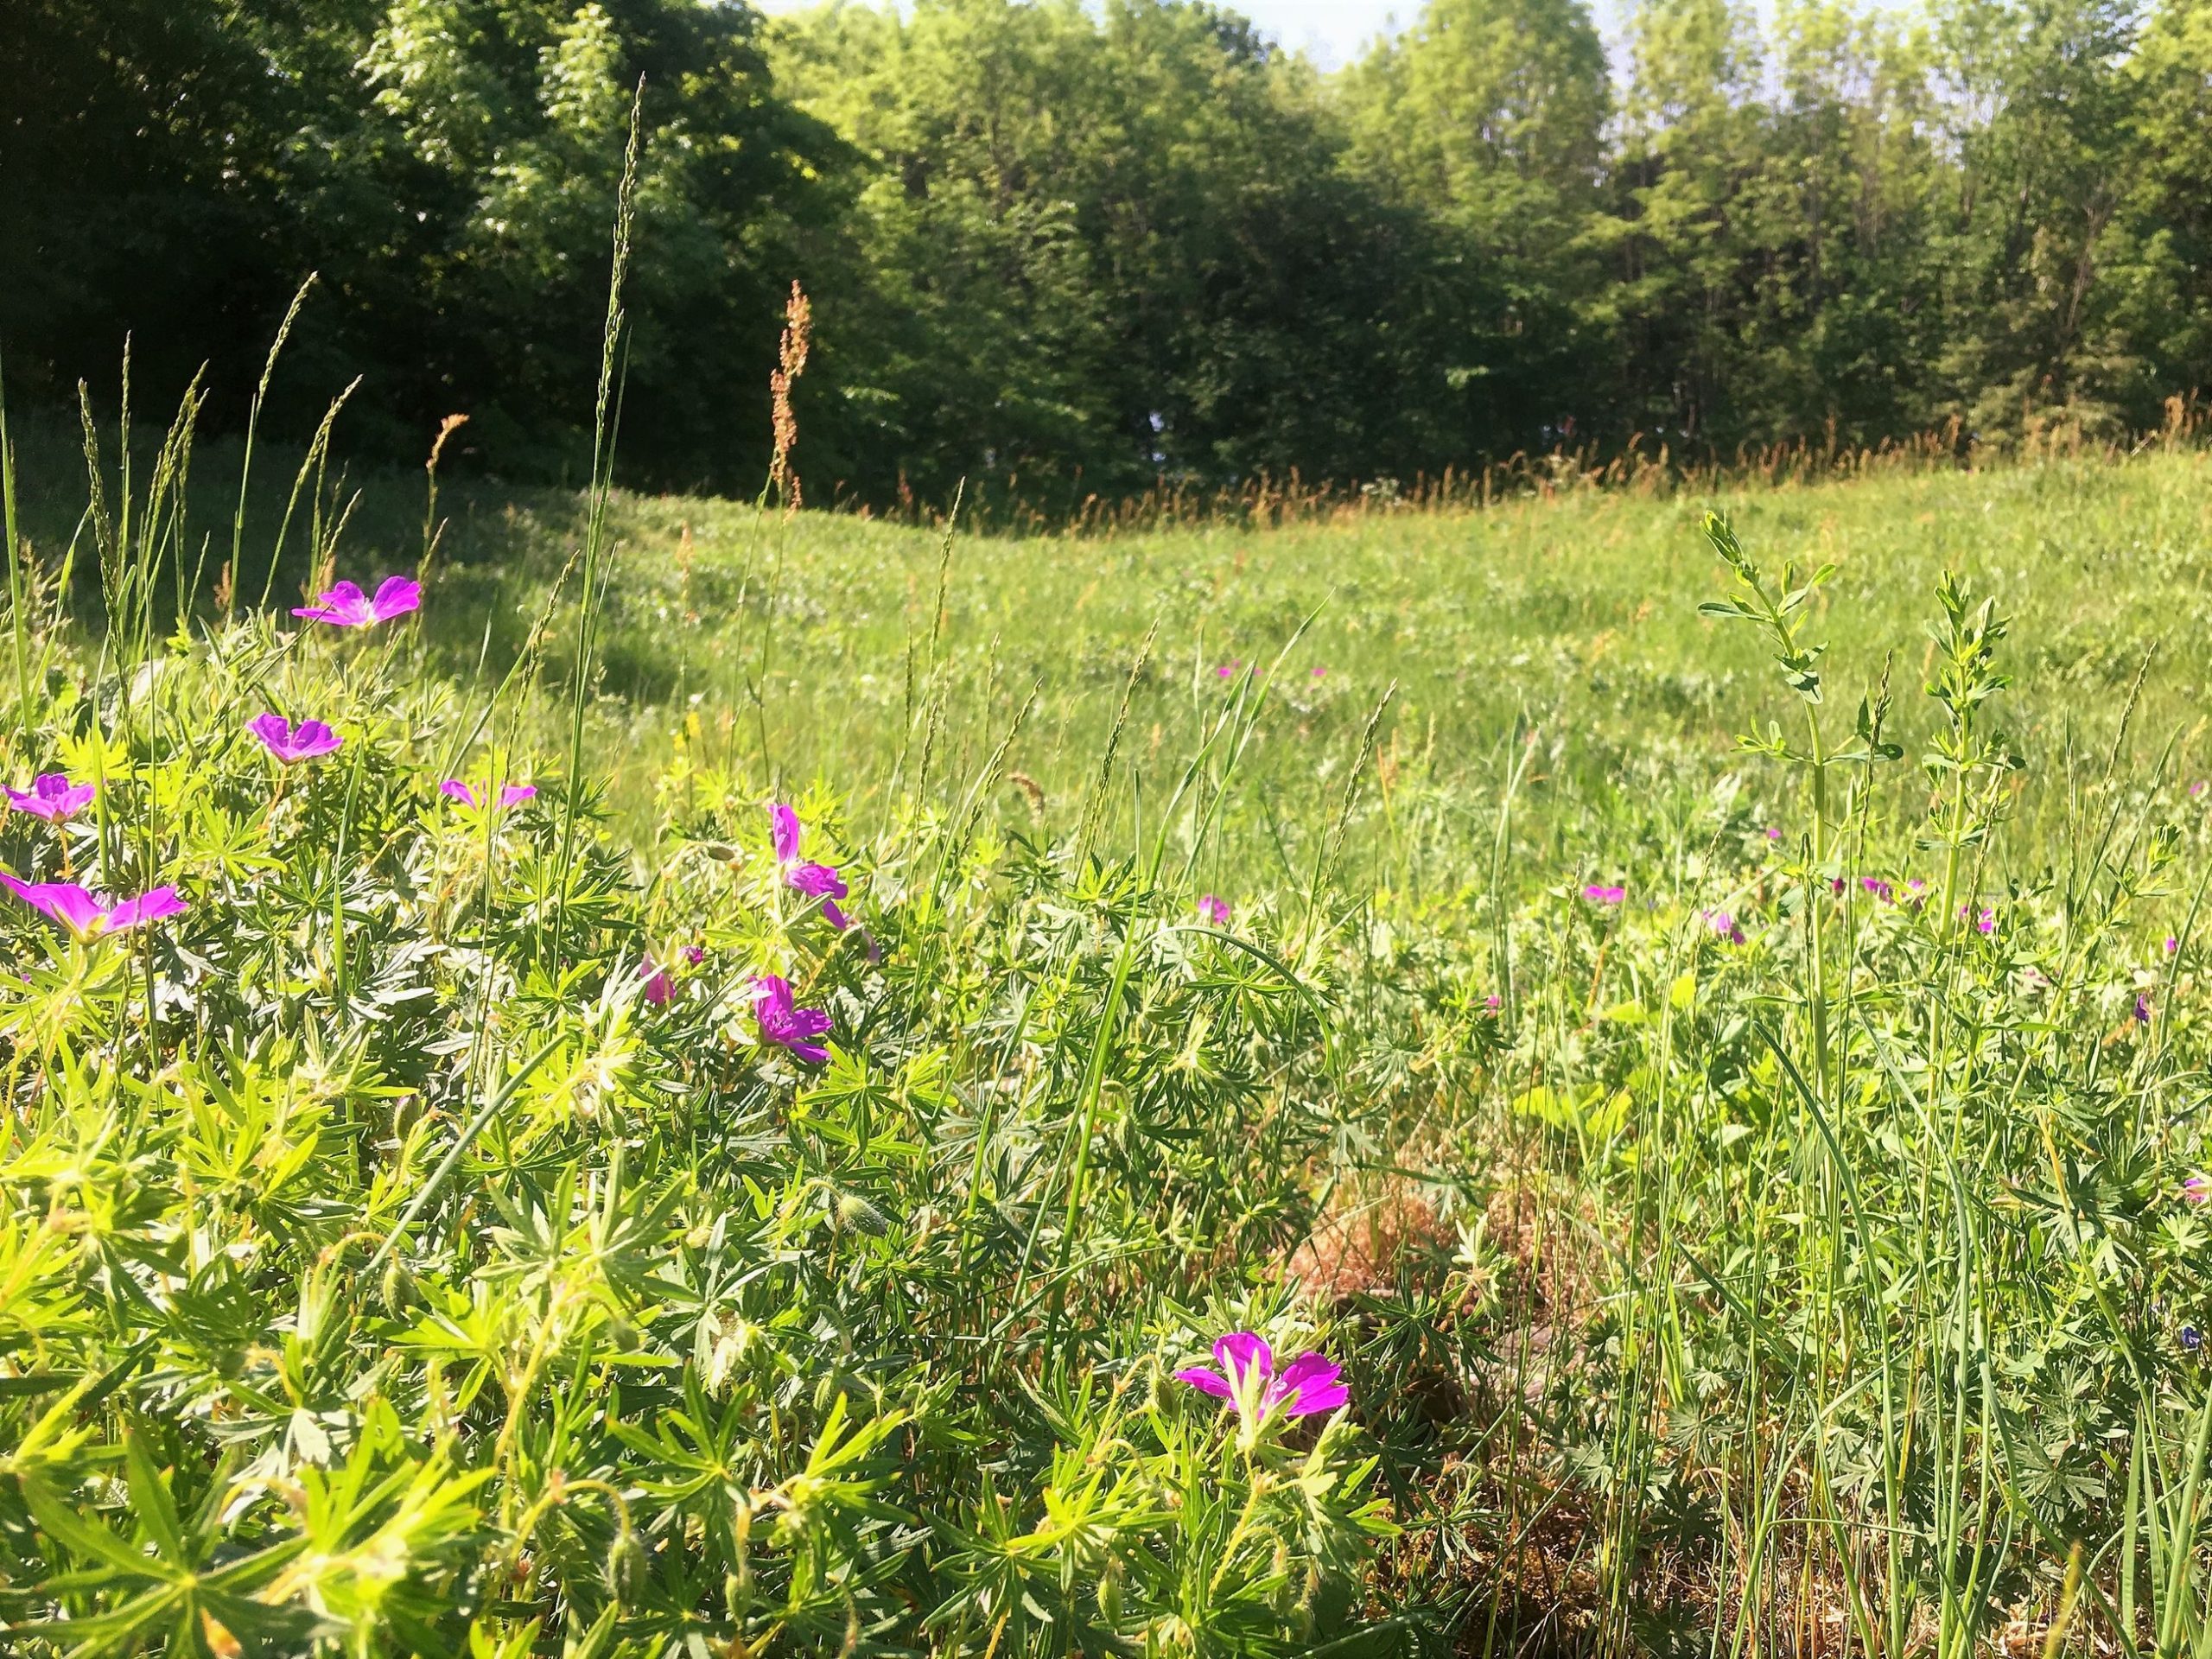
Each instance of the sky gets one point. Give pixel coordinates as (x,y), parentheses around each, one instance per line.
(1331,32)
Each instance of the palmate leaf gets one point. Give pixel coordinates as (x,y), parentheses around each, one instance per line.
(168,1587)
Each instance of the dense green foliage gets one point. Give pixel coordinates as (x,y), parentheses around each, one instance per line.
(1747,1185)
(1061,253)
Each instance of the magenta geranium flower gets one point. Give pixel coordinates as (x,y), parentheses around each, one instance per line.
(815,880)
(347,606)
(293,744)
(784,1022)
(1598,895)
(87,915)
(1248,1380)
(820,881)
(512,795)
(2197,1189)
(1879,889)
(52,797)
(1724,925)
(784,832)
(1214,909)
(659,988)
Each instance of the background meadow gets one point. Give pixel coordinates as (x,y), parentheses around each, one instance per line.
(1751,1194)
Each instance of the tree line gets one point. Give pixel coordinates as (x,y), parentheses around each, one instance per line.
(1073,250)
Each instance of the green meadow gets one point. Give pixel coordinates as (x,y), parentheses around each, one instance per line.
(1716,1092)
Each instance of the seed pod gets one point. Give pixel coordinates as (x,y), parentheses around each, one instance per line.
(398,1288)
(627,1567)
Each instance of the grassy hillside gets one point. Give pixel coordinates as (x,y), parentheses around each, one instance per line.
(1753,1200)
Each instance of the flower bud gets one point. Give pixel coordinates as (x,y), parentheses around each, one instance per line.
(627,1567)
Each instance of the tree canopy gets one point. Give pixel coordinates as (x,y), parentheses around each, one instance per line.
(1073,250)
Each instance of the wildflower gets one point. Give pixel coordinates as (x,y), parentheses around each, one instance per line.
(783,830)
(293,744)
(2197,1189)
(820,881)
(2197,789)
(782,1021)
(1228,670)
(1917,890)
(1598,895)
(1493,1002)
(1773,834)
(2191,1337)
(1249,1380)
(2172,945)
(815,880)
(693,955)
(659,988)
(1986,922)
(2142,1009)
(347,606)
(1879,889)
(1724,925)
(85,914)
(1214,910)
(52,797)
(512,795)
(1321,673)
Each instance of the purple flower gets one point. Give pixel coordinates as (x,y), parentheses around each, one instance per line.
(85,914)
(1985,921)
(52,797)
(1321,673)
(1249,1380)
(1773,834)
(2197,1189)
(1879,889)
(2172,945)
(2142,1009)
(693,955)
(1214,910)
(782,1021)
(293,744)
(510,795)
(1724,925)
(1493,1002)
(1598,895)
(347,606)
(783,831)
(659,988)
(2191,1337)
(815,880)
(820,881)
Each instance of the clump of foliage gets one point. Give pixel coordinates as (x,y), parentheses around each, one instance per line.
(1064,253)
(422,1234)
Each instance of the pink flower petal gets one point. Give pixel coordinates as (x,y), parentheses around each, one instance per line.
(161,903)
(1206,1382)
(1240,1351)
(395,597)
(1314,1399)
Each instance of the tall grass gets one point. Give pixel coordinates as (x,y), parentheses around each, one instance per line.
(415,1246)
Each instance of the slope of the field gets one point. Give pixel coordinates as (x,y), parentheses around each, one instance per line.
(804,642)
